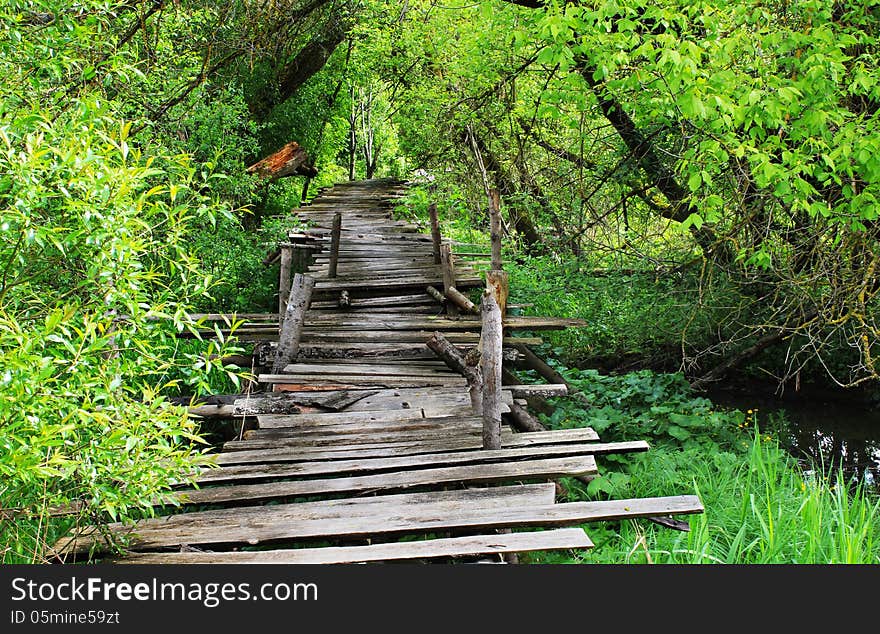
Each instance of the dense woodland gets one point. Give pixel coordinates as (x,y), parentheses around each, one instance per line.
(699,180)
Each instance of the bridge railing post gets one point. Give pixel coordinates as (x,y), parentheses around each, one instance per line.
(335,237)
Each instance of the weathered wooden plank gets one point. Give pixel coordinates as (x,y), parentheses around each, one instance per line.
(320,419)
(374,428)
(345,381)
(367,439)
(159,531)
(291,521)
(478,473)
(365,465)
(274,453)
(553,539)
(544,390)
(406,369)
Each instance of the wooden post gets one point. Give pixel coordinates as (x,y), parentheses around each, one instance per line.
(335,236)
(448,264)
(490,366)
(497,284)
(495,229)
(284,279)
(292,325)
(435,231)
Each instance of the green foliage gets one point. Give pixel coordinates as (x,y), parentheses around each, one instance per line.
(97,277)
(761,505)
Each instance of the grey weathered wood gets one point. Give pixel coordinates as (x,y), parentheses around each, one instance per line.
(294,316)
(292,521)
(490,367)
(334,244)
(495,228)
(366,465)
(542,390)
(476,498)
(241,452)
(284,278)
(447,262)
(399,369)
(340,418)
(536,363)
(437,295)
(479,473)
(553,539)
(435,231)
(345,381)
(467,366)
(374,428)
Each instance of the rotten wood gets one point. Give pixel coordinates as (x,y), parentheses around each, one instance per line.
(495,229)
(460,300)
(290,160)
(284,278)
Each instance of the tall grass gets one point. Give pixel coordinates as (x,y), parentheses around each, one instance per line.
(763,510)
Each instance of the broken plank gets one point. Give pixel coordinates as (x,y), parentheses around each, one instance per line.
(553,539)
(307,469)
(266,524)
(480,473)
(274,453)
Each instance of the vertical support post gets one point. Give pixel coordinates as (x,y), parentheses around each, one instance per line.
(435,231)
(490,366)
(495,228)
(448,264)
(284,278)
(290,331)
(498,285)
(335,235)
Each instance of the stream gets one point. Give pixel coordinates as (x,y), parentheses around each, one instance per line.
(830,430)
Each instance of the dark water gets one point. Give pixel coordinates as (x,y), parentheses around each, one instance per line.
(831,431)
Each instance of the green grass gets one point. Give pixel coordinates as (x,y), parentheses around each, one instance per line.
(761,508)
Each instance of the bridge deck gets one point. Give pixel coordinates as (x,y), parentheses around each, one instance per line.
(385,445)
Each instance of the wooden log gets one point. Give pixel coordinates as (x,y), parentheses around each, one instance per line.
(433,292)
(466,365)
(534,362)
(490,365)
(294,317)
(497,283)
(447,263)
(522,420)
(284,278)
(435,232)
(542,390)
(495,229)
(457,298)
(335,236)
(290,160)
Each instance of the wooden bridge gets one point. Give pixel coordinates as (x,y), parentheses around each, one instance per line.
(367,445)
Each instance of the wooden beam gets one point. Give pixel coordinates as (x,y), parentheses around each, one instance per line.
(490,366)
(553,539)
(497,284)
(543,390)
(294,317)
(447,262)
(495,228)
(435,232)
(466,365)
(335,236)
(284,278)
